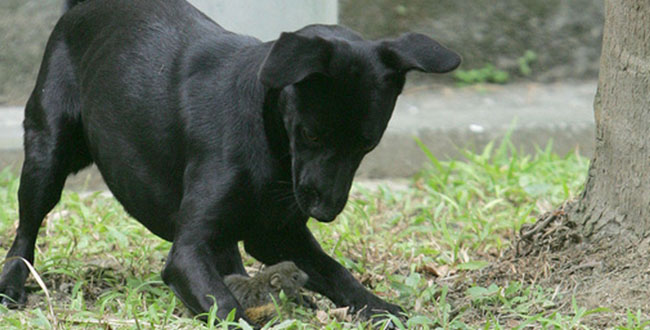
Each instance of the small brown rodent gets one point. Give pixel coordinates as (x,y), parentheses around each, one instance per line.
(256,294)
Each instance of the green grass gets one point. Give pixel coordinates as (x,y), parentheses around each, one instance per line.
(102,268)
(487,74)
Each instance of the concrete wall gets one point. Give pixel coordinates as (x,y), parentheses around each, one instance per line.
(266,19)
(565,34)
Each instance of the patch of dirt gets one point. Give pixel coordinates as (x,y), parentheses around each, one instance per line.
(553,254)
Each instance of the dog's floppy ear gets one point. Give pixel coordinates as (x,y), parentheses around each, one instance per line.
(294,57)
(416,51)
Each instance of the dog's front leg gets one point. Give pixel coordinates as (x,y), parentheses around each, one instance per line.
(326,276)
(204,251)
(192,272)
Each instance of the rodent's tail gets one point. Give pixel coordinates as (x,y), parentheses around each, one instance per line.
(71,3)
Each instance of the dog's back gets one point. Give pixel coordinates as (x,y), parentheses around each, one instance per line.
(123,66)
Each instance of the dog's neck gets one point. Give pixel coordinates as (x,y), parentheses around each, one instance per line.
(274,128)
(257,96)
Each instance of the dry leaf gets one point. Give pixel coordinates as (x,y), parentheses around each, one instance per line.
(340,314)
(428,269)
(437,271)
(464,256)
(322,317)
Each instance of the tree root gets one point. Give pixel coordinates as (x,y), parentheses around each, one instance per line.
(551,233)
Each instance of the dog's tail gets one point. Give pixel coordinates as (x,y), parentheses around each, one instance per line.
(71,3)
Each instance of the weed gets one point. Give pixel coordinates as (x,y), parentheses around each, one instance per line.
(525,61)
(487,74)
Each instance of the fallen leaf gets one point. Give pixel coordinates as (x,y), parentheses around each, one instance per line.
(340,314)
(322,317)
(437,271)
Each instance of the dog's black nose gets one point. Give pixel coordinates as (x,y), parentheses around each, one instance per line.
(322,214)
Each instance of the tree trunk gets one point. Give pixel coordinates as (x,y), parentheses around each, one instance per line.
(615,205)
(610,267)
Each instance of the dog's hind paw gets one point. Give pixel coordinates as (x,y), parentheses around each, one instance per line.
(12,297)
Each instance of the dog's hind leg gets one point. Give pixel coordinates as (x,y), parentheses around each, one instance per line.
(54,148)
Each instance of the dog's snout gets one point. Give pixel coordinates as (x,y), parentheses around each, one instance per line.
(312,193)
(322,214)
(326,209)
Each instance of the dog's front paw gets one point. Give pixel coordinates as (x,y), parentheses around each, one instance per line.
(381,319)
(392,309)
(379,311)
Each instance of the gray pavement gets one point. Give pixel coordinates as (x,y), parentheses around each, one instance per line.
(444,119)
(451,118)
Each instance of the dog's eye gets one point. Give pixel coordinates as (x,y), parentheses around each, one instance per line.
(309,136)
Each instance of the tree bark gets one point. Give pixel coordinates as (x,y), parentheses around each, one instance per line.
(615,204)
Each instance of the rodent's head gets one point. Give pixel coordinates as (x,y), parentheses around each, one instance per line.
(286,276)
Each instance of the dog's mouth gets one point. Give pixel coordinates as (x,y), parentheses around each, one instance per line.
(322,215)
(308,202)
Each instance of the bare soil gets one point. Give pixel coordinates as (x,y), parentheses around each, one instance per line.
(553,254)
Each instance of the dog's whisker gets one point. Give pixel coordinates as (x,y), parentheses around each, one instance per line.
(285,198)
(284,182)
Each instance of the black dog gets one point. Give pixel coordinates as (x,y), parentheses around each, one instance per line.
(209,138)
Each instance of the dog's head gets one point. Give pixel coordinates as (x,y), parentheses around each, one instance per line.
(337,93)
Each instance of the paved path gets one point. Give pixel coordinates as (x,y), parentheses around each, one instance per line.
(453,118)
(445,119)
